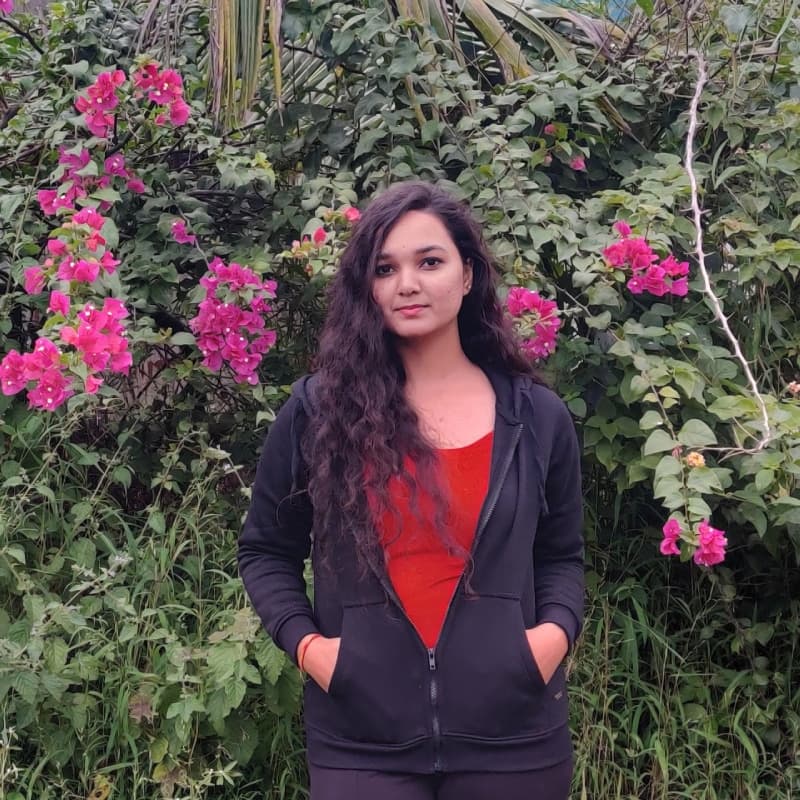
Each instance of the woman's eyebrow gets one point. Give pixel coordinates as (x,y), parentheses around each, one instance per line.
(418,252)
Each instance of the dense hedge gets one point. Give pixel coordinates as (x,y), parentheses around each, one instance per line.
(130,661)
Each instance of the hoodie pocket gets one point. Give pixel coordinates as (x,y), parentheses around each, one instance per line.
(491,686)
(377,689)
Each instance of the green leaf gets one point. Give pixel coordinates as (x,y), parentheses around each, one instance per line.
(658,442)
(650,419)
(695,433)
(182,338)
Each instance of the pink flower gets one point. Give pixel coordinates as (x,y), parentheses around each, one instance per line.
(179,234)
(92,384)
(167,88)
(52,389)
(319,236)
(635,285)
(622,228)
(56,247)
(115,165)
(78,270)
(550,129)
(146,77)
(59,303)
(108,263)
(88,216)
(674,268)
(711,545)
(34,280)
(538,322)
(179,113)
(680,287)
(351,214)
(578,163)
(669,544)
(136,185)
(13,373)
(51,200)
(653,281)
(6,6)
(45,357)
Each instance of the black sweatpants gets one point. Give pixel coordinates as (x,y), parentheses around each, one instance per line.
(550,783)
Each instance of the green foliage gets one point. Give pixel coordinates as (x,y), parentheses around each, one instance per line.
(128,652)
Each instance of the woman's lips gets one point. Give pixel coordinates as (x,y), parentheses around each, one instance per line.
(410,311)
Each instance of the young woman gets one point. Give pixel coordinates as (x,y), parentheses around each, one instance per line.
(442,486)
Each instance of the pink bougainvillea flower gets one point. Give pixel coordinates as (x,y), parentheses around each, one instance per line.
(319,236)
(167,88)
(653,281)
(88,216)
(680,287)
(351,214)
(115,165)
(145,77)
(34,280)
(45,357)
(550,129)
(92,384)
(711,545)
(59,303)
(538,321)
(669,544)
(56,247)
(578,163)
(13,373)
(74,162)
(136,185)
(6,6)
(51,390)
(179,233)
(108,263)
(179,113)
(622,228)
(52,200)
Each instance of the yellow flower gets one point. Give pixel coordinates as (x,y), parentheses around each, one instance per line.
(695,460)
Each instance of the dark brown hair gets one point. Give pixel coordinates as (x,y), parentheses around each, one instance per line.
(363,429)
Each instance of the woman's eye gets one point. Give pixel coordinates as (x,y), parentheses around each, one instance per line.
(432,262)
(383,269)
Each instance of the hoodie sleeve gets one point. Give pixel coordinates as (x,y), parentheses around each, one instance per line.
(276,538)
(558,548)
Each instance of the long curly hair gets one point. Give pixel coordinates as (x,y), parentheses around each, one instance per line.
(363,430)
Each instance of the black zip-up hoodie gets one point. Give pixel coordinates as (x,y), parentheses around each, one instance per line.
(476,701)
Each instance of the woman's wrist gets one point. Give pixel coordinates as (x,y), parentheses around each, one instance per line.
(302,648)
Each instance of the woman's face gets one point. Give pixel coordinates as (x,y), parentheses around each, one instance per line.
(420,279)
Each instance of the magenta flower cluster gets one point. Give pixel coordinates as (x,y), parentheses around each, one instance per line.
(77,256)
(84,339)
(710,547)
(165,89)
(230,326)
(535,319)
(6,6)
(668,276)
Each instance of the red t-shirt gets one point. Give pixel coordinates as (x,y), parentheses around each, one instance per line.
(424,574)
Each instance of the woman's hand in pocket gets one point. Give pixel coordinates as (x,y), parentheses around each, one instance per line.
(549,645)
(320,658)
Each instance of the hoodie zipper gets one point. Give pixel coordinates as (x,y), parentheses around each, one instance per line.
(433,692)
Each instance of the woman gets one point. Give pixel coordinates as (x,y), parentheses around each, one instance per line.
(443,487)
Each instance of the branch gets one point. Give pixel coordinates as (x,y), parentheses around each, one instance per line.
(24,34)
(702,77)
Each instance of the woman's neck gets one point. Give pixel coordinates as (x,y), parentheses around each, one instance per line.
(433,360)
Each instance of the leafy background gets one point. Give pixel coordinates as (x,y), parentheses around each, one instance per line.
(130,662)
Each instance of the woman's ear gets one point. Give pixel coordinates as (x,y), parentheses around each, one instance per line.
(467,275)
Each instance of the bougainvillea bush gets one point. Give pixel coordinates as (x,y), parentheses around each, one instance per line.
(163,282)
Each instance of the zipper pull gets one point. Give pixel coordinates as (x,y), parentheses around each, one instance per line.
(431,660)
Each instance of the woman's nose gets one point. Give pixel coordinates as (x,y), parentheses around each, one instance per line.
(408,281)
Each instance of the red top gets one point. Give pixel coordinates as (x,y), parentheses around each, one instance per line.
(423,573)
